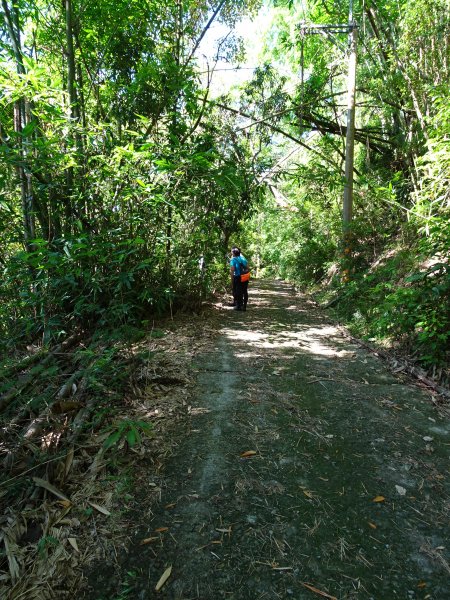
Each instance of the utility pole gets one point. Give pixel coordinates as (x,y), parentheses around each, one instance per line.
(350,135)
(329,31)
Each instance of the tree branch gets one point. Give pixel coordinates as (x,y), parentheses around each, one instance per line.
(284,133)
(203,33)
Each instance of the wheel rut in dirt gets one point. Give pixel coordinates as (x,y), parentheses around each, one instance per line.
(308,467)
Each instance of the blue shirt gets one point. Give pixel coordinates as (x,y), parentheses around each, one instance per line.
(238,262)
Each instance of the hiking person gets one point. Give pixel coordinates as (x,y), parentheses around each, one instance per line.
(238,264)
(233,282)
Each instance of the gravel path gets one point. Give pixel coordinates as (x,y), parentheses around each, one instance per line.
(309,471)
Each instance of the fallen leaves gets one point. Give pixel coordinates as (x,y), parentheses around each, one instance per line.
(400,490)
(317,591)
(149,540)
(73,542)
(379,499)
(101,509)
(13,564)
(164,577)
(50,488)
(42,547)
(63,407)
(223,530)
(69,461)
(248,453)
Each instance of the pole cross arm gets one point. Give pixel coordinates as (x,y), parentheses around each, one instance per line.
(317,28)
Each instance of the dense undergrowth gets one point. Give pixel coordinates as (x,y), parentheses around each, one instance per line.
(402,301)
(398,293)
(91,282)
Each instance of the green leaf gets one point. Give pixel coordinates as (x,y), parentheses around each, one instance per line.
(415,277)
(131,437)
(112,439)
(28,129)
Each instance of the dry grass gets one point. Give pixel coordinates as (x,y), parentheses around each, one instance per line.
(48,539)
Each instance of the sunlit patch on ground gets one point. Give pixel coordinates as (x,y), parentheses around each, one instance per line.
(309,339)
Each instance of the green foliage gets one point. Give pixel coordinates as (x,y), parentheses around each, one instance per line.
(111,192)
(45,543)
(399,240)
(395,301)
(291,250)
(128,586)
(106,212)
(129,431)
(88,280)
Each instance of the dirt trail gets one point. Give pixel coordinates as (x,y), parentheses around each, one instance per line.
(345,492)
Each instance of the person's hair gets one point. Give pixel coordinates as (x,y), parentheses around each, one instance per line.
(235,251)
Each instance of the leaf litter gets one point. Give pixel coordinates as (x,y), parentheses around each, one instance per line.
(51,535)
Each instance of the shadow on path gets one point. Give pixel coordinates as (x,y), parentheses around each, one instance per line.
(344,489)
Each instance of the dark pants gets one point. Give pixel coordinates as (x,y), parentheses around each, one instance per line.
(236,282)
(244,285)
(240,291)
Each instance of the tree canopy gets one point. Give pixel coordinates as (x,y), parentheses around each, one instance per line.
(120,166)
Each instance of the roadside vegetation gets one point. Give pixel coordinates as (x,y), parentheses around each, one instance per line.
(123,171)
(398,289)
